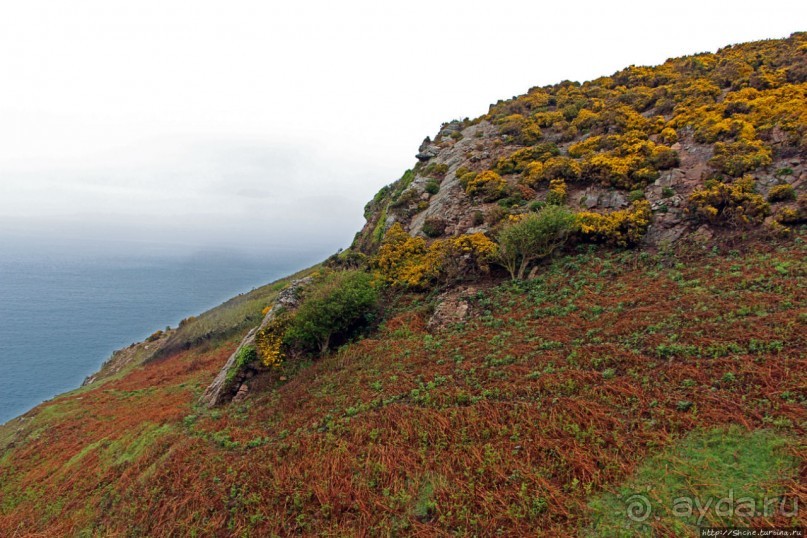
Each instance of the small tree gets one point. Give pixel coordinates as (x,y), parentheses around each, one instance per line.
(339,304)
(533,237)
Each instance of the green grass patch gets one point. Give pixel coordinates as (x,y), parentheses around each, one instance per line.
(129,448)
(719,477)
(83,452)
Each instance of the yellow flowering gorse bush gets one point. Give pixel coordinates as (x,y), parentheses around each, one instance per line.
(407,261)
(733,203)
(621,228)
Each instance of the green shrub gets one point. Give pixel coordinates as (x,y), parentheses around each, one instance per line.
(405,199)
(333,309)
(785,171)
(434,227)
(636,195)
(346,259)
(511,201)
(533,236)
(436,170)
(156,336)
(495,215)
(246,355)
(432,187)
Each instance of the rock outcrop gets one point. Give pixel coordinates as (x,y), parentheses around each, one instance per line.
(230,384)
(452,307)
(434,190)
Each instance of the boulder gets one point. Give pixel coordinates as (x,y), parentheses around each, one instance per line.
(427,150)
(241,395)
(452,307)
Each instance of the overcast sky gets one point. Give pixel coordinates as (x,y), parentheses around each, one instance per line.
(267,125)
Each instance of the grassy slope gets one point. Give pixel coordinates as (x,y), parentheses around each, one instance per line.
(524,419)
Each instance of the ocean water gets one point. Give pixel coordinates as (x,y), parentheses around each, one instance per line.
(61,317)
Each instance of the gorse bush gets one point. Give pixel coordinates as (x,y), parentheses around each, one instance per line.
(406,261)
(532,237)
(269,340)
(733,203)
(553,168)
(620,228)
(520,129)
(793,215)
(557,192)
(782,193)
(464,257)
(410,262)
(488,186)
(668,135)
(664,158)
(746,101)
(737,158)
(519,160)
(629,161)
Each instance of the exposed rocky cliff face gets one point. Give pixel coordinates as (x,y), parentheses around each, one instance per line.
(480,146)
(706,123)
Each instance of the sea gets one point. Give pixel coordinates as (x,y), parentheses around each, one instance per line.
(62,316)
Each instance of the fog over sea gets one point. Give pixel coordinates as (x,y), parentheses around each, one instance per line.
(62,315)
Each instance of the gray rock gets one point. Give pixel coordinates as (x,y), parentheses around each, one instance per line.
(241,395)
(480,156)
(702,234)
(221,389)
(227,384)
(449,128)
(671,178)
(589,200)
(453,307)
(613,200)
(427,150)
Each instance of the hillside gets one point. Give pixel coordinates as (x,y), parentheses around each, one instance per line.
(571,312)
(644,135)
